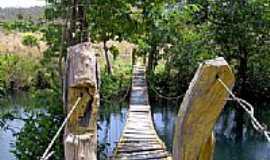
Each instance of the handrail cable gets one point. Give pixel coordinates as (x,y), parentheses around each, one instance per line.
(46,155)
(162,96)
(250,110)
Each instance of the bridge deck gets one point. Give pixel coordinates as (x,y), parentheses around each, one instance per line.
(139,139)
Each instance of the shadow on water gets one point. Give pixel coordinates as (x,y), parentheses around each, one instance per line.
(112,121)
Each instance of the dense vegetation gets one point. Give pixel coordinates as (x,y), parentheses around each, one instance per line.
(170,37)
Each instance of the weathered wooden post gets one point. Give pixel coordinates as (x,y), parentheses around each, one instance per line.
(202,105)
(82,80)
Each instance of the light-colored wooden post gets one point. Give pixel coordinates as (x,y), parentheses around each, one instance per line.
(82,79)
(202,105)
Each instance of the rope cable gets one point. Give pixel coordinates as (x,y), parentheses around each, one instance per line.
(46,155)
(162,96)
(249,109)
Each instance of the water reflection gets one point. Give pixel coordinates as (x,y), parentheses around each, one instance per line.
(15,104)
(164,117)
(7,139)
(110,130)
(112,122)
(249,150)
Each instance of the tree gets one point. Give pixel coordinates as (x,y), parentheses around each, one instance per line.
(240,29)
(41,127)
(109,20)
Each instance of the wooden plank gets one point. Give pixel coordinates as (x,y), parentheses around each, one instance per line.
(131,132)
(130,140)
(139,139)
(202,104)
(139,149)
(138,144)
(156,154)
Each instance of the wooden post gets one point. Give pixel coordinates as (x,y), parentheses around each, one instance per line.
(82,80)
(202,105)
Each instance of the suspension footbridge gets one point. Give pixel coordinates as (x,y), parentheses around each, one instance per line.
(193,135)
(139,139)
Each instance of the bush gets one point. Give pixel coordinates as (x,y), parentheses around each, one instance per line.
(21,26)
(17,72)
(30,40)
(116,85)
(41,126)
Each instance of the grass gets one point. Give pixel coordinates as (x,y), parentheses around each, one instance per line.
(17,72)
(11,42)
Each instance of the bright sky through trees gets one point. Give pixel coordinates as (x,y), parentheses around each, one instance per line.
(21,3)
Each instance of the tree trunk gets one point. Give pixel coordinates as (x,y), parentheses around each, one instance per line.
(151,59)
(107,58)
(64,42)
(134,52)
(72,19)
(144,59)
(83,23)
(242,78)
(78,23)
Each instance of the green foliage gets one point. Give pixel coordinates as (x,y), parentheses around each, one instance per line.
(201,30)
(235,29)
(43,81)
(30,40)
(40,126)
(241,33)
(114,87)
(173,44)
(44,110)
(109,20)
(52,37)
(175,37)
(46,115)
(21,26)
(17,72)
(114,51)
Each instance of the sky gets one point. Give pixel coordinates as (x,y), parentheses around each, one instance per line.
(21,3)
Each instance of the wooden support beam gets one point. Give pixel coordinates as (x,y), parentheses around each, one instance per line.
(82,80)
(202,105)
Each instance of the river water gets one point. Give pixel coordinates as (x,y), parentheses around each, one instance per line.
(112,122)
(164,118)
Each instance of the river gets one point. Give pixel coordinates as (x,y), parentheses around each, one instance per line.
(111,124)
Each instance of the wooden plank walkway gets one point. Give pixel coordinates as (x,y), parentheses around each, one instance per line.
(139,139)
